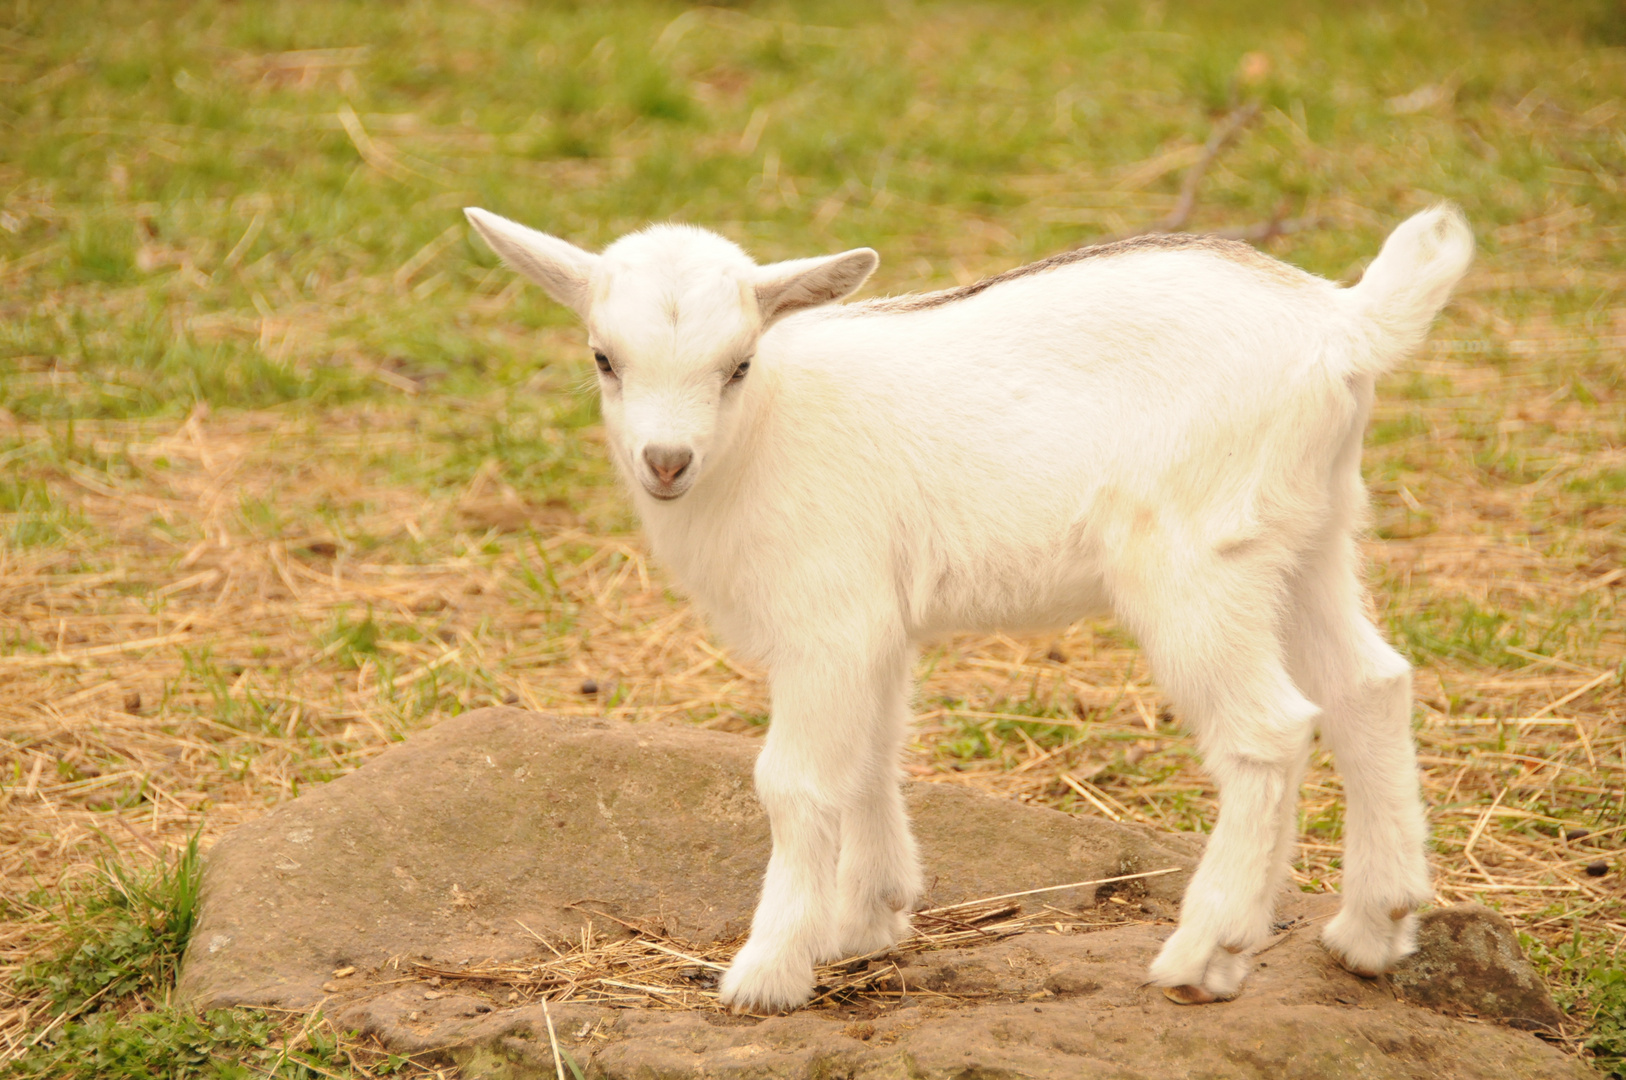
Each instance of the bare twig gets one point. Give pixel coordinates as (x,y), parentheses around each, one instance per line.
(636,927)
(553,1041)
(1269,230)
(1218,139)
(1224,133)
(1050,888)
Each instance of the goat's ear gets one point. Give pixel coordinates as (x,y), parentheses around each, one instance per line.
(561,268)
(786,287)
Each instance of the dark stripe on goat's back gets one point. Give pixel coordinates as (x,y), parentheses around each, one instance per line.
(1234,250)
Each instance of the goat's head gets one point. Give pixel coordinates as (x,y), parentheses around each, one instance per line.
(673,317)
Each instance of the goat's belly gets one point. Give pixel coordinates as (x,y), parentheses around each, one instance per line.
(1014,599)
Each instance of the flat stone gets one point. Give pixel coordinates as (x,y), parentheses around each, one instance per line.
(471,840)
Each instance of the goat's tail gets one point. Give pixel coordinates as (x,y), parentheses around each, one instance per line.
(1407,285)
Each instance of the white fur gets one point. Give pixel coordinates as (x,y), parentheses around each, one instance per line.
(1171,435)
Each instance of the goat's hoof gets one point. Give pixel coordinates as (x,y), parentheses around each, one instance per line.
(1369,943)
(1190,995)
(880,926)
(1197,969)
(1363,967)
(1354,967)
(1365,971)
(755,983)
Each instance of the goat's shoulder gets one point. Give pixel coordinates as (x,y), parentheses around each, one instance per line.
(1233,252)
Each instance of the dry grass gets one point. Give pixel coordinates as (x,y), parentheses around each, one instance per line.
(652,971)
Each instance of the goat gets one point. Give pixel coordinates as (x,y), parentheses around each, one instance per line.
(1166,428)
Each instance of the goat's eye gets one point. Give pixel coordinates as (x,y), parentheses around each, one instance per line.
(739,372)
(603,363)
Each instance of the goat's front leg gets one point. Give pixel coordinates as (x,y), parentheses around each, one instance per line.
(815,766)
(878,878)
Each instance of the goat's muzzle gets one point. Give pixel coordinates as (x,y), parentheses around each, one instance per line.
(670,467)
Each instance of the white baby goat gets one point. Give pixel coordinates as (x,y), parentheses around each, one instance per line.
(1167,428)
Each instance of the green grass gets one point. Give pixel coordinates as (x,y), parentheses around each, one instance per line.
(109,985)
(223,1044)
(32,516)
(1459,629)
(1590,984)
(983,739)
(181,186)
(127,936)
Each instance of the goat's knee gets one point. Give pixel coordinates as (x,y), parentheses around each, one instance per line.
(1261,735)
(787,783)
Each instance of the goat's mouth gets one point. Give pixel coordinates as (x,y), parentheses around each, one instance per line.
(667,492)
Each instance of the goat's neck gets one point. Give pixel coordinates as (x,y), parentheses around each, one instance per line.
(699,537)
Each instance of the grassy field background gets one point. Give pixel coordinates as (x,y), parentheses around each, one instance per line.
(289,467)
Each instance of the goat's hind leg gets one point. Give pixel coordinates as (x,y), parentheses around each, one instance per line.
(1364,689)
(1215,652)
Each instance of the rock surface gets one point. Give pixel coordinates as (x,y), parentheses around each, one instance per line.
(442,847)
(1063,1006)
(460,843)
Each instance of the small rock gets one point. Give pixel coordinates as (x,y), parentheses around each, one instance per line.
(589,686)
(1056,656)
(1597,869)
(1468,961)
(132,702)
(331,987)
(513,996)
(435,981)
(432,995)
(344,972)
(510,698)
(1577,834)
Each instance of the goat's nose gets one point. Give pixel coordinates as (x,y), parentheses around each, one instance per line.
(668,462)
